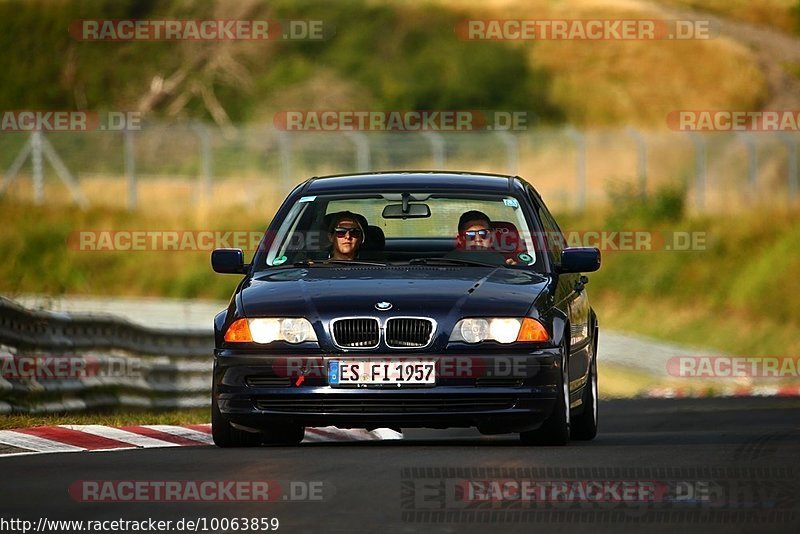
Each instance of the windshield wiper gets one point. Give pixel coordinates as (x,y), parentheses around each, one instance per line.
(452,261)
(355,262)
(322,263)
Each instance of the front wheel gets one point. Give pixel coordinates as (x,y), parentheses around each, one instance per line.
(584,426)
(555,430)
(226,436)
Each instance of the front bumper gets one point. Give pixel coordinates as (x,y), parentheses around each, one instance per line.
(493,391)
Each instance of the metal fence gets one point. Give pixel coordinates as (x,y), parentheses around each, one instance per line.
(56,362)
(573,169)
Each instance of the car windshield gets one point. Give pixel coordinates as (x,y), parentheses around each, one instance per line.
(392,228)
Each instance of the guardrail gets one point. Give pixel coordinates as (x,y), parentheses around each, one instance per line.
(57,362)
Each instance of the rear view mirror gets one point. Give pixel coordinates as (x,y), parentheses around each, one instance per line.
(413,211)
(228,261)
(580,260)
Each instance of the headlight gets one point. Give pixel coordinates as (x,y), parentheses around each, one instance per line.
(501,329)
(472,330)
(297,330)
(263,330)
(504,330)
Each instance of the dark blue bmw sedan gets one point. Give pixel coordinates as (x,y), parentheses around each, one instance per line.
(408,299)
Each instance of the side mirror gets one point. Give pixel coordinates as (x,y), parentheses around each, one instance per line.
(580,260)
(228,261)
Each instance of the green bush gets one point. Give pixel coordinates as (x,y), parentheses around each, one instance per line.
(403,56)
(628,203)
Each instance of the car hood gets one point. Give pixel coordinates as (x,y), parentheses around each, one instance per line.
(324,292)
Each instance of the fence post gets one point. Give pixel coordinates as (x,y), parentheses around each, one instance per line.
(752,161)
(285,149)
(130,168)
(791,156)
(699,168)
(38,171)
(206,158)
(38,147)
(361,143)
(580,165)
(512,150)
(437,149)
(641,159)
(63,173)
(19,161)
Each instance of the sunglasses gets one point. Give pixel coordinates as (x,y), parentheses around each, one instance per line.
(341,231)
(472,234)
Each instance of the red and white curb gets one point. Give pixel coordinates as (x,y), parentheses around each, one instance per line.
(737,391)
(93,438)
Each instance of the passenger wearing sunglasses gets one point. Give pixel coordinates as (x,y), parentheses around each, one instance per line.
(346,234)
(476,230)
(476,233)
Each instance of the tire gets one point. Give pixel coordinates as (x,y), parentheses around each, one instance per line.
(226,436)
(284,435)
(556,429)
(584,426)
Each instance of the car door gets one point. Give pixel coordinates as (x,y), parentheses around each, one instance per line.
(575,304)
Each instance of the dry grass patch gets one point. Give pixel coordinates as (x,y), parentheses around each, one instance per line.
(782,15)
(631,82)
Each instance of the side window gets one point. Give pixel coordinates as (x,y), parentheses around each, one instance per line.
(554,241)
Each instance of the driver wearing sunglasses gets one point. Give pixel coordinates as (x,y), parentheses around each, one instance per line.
(476,229)
(477,233)
(346,234)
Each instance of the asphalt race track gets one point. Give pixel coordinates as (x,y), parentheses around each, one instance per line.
(717,465)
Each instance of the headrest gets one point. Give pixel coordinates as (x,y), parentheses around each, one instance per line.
(375,239)
(506,238)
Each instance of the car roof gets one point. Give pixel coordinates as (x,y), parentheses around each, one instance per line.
(411,180)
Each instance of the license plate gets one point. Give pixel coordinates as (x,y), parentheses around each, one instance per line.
(380,373)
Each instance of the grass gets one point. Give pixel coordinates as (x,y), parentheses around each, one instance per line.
(730,295)
(41,245)
(619,382)
(113,418)
(415,62)
(783,15)
(382,56)
(622,382)
(695,324)
(633,82)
